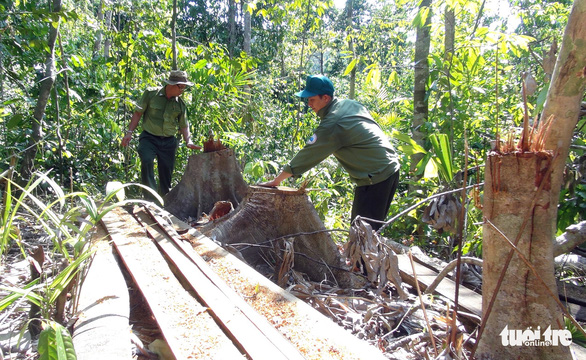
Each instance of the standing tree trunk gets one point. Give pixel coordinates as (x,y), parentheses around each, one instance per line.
(520,203)
(231,27)
(100,32)
(174,35)
(566,91)
(349,18)
(247,28)
(47,82)
(449,40)
(421,73)
(107,41)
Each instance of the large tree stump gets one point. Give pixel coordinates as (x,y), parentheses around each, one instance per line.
(209,177)
(517,205)
(264,219)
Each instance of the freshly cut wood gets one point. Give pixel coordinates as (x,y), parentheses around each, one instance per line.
(209,177)
(268,216)
(102,330)
(187,327)
(316,336)
(255,336)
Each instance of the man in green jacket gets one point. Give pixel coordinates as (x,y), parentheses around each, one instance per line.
(163,112)
(348,131)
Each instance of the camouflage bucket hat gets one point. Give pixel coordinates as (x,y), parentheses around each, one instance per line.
(178,77)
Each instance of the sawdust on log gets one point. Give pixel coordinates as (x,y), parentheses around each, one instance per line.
(281,313)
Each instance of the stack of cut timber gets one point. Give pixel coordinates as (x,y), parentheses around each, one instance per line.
(219,308)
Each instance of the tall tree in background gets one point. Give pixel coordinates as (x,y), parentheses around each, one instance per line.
(421,75)
(349,27)
(174,35)
(231,27)
(247,28)
(449,40)
(519,288)
(47,81)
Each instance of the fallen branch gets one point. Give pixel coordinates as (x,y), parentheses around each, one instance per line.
(446,270)
(409,209)
(574,236)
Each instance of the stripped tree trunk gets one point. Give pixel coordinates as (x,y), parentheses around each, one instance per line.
(264,220)
(421,75)
(47,82)
(208,178)
(521,194)
(349,20)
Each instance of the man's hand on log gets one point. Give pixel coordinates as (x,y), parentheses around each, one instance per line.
(271,183)
(277,181)
(193,146)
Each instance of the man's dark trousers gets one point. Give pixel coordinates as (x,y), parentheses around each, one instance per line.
(163,149)
(374,201)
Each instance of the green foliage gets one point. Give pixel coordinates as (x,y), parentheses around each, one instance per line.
(246,99)
(68,226)
(55,343)
(577,335)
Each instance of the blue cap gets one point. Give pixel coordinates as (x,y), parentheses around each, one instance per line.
(317,85)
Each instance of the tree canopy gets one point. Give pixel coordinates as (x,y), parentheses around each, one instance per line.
(105,53)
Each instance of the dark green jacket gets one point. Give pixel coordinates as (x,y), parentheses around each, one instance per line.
(349,133)
(162,116)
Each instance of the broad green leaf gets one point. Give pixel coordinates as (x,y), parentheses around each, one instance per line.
(350,66)
(14,122)
(443,155)
(541,98)
(416,148)
(392,78)
(17,293)
(55,343)
(431,170)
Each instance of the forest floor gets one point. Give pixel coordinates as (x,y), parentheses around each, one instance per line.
(398,327)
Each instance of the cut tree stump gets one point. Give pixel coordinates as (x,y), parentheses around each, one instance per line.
(209,177)
(262,223)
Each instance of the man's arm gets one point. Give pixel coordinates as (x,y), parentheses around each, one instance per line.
(187,137)
(277,181)
(131,127)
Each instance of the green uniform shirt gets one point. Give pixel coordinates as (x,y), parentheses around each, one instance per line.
(349,133)
(162,116)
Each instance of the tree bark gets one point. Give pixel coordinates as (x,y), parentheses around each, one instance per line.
(266,218)
(523,301)
(208,178)
(44,93)
(247,28)
(174,35)
(231,27)
(566,92)
(100,31)
(521,195)
(449,40)
(421,74)
(349,18)
(107,41)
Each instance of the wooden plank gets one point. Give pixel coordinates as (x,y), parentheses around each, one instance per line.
(315,335)
(102,328)
(467,299)
(255,335)
(180,317)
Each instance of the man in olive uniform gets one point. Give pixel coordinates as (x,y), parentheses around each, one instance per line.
(348,131)
(163,112)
